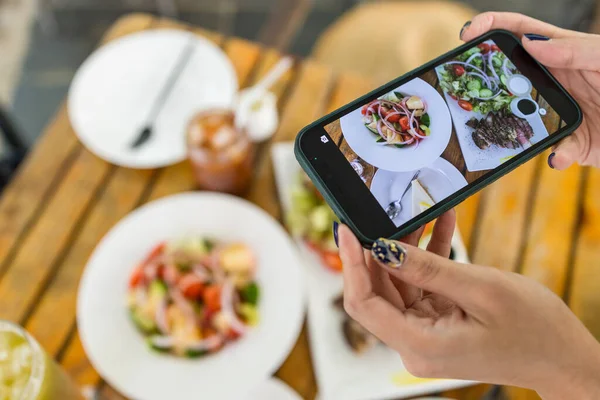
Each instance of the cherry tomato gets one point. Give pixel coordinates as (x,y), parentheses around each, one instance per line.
(155,252)
(364,109)
(465,105)
(212,297)
(232,335)
(494,48)
(458,70)
(404,123)
(385,111)
(394,118)
(191,286)
(137,276)
(484,47)
(332,260)
(453,96)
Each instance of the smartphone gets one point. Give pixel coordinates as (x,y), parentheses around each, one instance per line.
(398,157)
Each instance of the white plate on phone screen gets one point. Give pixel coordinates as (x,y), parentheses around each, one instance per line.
(363,142)
(440,179)
(114,91)
(120,354)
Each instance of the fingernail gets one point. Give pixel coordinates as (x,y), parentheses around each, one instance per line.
(465,26)
(535,36)
(335,232)
(550,158)
(388,252)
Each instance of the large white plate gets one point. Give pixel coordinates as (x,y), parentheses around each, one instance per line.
(477,159)
(118,351)
(115,88)
(362,141)
(440,179)
(340,373)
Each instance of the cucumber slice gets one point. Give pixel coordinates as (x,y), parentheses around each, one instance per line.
(162,344)
(504,80)
(372,127)
(144,324)
(190,353)
(485,93)
(474,84)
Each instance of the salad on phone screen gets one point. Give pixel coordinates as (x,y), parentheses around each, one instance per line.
(397,119)
(193,296)
(477,79)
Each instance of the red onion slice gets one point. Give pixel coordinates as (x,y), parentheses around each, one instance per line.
(227,309)
(162,341)
(505,68)
(201,272)
(161,317)
(183,305)
(466,65)
(491,65)
(473,57)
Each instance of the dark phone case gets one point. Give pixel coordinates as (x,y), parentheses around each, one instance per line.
(421,219)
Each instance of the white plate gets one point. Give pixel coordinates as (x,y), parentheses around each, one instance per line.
(477,159)
(115,89)
(340,373)
(118,351)
(440,179)
(391,158)
(273,389)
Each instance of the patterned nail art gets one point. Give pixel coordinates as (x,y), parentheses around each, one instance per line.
(388,252)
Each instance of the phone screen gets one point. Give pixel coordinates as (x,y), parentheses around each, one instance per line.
(428,138)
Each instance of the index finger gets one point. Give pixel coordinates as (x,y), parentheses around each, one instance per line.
(518,24)
(373,312)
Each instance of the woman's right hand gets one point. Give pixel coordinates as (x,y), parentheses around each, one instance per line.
(574,59)
(470,322)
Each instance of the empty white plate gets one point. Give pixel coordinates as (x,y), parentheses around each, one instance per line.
(120,354)
(114,91)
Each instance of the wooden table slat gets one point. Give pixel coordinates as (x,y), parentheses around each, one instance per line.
(583,294)
(49,237)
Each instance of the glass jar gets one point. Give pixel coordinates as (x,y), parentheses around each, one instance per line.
(221,155)
(26,370)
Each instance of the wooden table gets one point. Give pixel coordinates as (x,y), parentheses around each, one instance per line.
(540,222)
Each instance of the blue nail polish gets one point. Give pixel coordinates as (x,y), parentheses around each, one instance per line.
(335,232)
(535,36)
(388,252)
(550,158)
(465,26)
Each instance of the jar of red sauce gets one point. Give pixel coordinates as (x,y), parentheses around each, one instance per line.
(221,155)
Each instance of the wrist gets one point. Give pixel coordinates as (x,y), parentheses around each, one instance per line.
(579,379)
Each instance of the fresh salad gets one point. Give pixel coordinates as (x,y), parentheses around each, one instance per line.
(191,297)
(397,119)
(477,79)
(311,219)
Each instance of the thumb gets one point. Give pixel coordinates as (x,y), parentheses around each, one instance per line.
(566,153)
(428,271)
(581,52)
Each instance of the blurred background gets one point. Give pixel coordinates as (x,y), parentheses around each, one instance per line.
(42,42)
